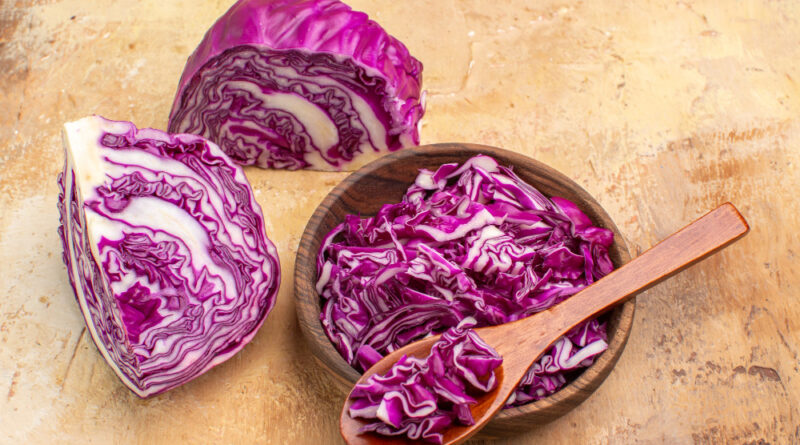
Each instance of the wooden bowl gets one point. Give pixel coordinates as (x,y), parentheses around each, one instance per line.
(385,180)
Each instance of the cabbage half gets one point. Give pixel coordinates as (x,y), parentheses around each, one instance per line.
(165,249)
(300,84)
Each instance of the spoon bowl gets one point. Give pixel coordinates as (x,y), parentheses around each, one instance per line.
(521,342)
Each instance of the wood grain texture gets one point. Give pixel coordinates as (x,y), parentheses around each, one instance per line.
(660,109)
(521,342)
(385,181)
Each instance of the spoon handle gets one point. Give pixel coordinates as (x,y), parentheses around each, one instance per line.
(701,238)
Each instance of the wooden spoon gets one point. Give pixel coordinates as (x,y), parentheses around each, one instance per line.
(521,342)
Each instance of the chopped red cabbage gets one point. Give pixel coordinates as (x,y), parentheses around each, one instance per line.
(420,397)
(469,240)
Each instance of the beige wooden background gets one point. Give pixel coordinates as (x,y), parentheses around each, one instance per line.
(660,109)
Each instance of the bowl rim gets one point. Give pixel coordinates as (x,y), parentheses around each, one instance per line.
(552,406)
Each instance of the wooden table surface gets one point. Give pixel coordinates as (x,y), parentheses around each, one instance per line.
(662,110)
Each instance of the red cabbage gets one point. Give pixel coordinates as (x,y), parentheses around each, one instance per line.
(419,398)
(165,249)
(470,240)
(300,84)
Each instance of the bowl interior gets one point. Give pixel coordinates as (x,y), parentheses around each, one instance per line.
(385,181)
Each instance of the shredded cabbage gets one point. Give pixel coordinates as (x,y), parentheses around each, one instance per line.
(470,240)
(419,398)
